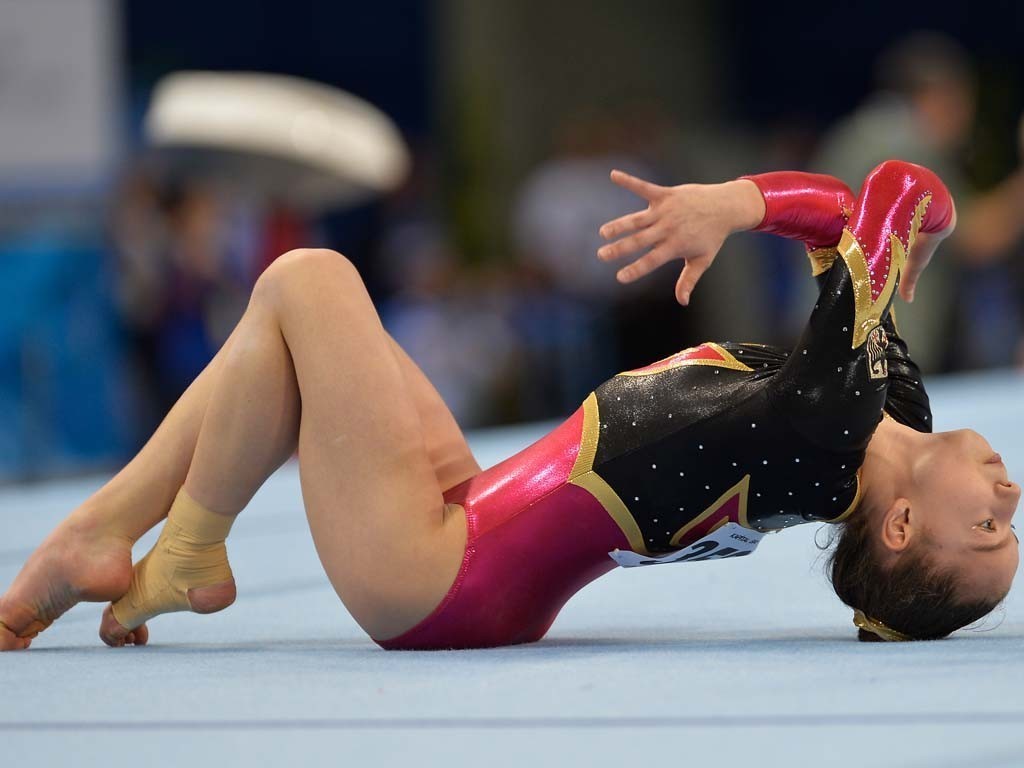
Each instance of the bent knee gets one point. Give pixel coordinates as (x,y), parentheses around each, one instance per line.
(298,271)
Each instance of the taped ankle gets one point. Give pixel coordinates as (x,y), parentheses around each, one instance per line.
(189,554)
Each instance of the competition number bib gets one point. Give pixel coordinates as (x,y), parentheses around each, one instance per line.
(731,540)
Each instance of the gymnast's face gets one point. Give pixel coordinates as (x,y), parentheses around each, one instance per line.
(963,503)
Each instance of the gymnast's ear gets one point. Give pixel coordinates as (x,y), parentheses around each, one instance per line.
(897,526)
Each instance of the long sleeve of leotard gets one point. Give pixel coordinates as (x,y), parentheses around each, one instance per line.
(836,382)
(814,208)
(809,207)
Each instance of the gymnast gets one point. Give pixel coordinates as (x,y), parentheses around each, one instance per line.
(693,457)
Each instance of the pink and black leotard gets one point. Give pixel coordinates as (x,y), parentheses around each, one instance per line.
(656,458)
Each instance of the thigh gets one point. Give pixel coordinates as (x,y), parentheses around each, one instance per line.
(373,499)
(450,456)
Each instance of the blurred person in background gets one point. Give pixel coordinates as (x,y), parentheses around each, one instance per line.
(787,142)
(187,256)
(430,297)
(450,321)
(571,315)
(924,111)
(992,292)
(62,392)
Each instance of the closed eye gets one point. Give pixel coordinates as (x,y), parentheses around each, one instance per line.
(989,525)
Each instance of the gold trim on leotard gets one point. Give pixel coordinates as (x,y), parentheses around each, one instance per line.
(742,488)
(589,439)
(915,223)
(584,476)
(822,259)
(727,361)
(854,503)
(868,312)
(594,484)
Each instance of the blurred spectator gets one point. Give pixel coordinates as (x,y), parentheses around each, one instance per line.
(786,276)
(63,401)
(449,322)
(579,324)
(449,319)
(188,255)
(924,112)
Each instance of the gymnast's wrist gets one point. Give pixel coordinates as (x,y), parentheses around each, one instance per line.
(743,204)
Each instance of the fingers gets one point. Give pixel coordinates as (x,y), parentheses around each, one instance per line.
(646,264)
(688,279)
(918,259)
(627,245)
(626,224)
(646,190)
(907,290)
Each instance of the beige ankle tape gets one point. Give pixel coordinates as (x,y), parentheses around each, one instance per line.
(198,522)
(189,554)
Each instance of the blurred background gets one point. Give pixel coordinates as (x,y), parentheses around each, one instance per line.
(122,270)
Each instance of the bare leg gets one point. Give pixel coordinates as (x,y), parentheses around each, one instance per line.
(250,427)
(138,497)
(372,494)
(88,557)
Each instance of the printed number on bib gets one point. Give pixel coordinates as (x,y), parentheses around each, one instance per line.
(731,540)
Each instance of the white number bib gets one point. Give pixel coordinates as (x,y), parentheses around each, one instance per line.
(731,540)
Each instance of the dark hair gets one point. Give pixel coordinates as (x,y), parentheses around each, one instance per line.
(913,597)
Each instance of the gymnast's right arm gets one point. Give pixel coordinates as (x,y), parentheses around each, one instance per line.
(814,208)
(834,385)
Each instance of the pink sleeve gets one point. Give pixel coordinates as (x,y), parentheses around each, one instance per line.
(810,207)
(889,200)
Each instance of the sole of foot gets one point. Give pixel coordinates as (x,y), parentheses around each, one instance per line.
(79,561)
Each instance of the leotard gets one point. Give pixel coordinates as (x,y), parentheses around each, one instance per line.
(659,457)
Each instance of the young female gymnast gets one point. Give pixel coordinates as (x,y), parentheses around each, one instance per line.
(720,440)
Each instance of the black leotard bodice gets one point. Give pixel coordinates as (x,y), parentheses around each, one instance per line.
(674,441)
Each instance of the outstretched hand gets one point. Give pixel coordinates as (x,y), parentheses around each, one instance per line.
(688,222)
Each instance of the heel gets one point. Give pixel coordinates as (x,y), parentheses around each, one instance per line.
(213,598)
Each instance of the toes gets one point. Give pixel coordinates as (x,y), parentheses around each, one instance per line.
(11,642)
(111,631)
(138,636)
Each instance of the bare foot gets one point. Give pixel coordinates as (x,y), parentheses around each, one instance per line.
(80,560)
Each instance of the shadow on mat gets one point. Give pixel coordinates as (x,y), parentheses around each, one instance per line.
(304,645)
(787,642)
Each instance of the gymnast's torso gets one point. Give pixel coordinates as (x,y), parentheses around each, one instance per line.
(657,458)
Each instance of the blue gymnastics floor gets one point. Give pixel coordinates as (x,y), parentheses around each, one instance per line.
(749,661)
